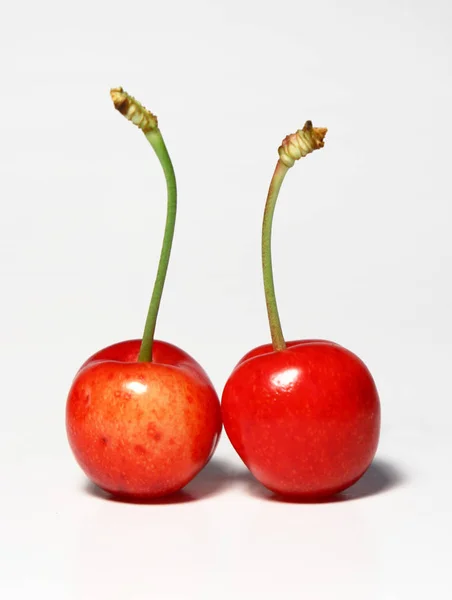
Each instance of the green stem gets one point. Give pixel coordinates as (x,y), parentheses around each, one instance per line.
(154,137)
(267,268)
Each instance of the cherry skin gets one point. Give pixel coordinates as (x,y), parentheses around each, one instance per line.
(304,420)
(141,430)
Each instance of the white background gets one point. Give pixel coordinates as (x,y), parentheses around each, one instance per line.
(362,256)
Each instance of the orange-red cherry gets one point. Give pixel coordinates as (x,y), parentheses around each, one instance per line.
(141,430)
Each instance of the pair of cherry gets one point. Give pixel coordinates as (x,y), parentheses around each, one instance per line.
(143,417)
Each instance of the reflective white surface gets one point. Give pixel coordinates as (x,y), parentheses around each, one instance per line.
(226,536)
(362,256)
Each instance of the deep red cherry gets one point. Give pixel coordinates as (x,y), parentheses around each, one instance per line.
(142,429)
(305,420)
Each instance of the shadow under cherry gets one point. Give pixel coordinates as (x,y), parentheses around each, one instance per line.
(381,477)
(214,478)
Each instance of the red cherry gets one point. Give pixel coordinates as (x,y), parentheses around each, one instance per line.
(142,429)
(305,420)
(142,416)
(304,416)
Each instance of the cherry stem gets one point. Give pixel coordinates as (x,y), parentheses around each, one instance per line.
(293,147)
(267,268)
(155,138)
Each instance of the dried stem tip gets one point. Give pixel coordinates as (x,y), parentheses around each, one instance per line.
(133,110)
(297,145)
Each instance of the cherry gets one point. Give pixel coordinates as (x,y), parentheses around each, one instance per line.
(142,429)
(142,416)
(304,416)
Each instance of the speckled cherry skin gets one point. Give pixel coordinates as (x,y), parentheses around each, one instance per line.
(304,420)
(141,430)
